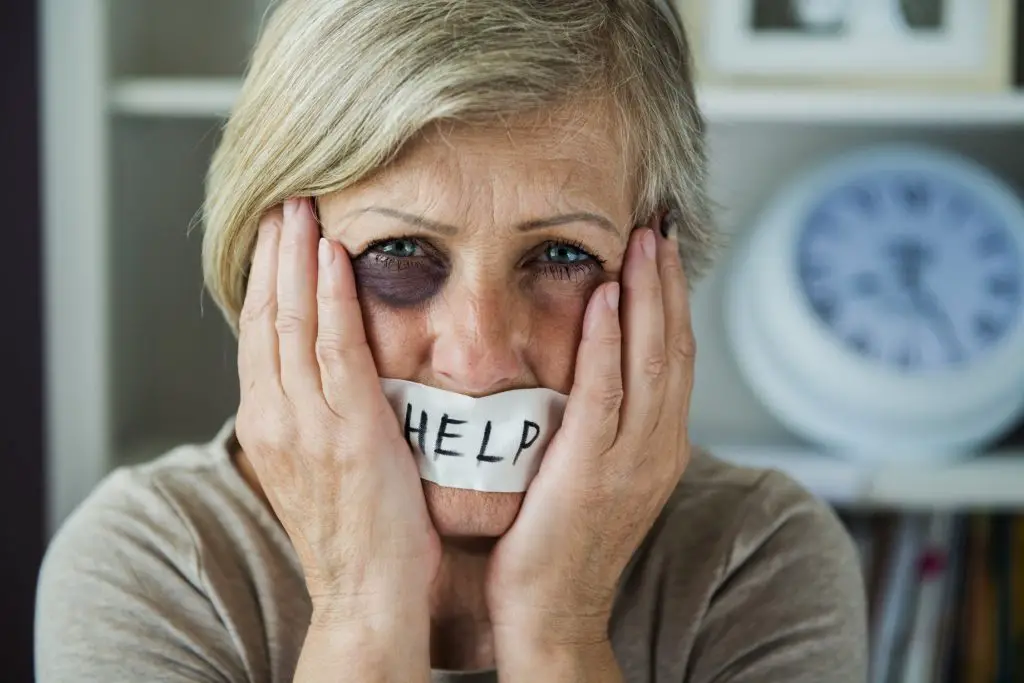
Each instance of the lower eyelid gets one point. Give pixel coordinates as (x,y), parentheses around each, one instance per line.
(569,272)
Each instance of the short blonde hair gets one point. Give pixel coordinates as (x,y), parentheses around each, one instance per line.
(336,88)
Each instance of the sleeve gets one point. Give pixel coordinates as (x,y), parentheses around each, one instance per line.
(119,597)
(792,605)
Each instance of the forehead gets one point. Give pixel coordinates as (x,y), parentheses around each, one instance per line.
(569,158)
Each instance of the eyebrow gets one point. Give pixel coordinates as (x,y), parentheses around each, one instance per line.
(537,224)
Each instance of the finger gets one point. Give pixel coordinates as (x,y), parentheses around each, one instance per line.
(644,364)
(296,300)
(592,411)
(258,362)
(679,340)
(347,372)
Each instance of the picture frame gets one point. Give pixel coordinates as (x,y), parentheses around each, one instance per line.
(928,44)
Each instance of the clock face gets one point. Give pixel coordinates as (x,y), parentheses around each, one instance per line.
(911,269)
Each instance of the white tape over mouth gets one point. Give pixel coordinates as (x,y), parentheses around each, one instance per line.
(493,443)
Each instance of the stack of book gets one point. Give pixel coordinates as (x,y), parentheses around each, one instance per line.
(946,596)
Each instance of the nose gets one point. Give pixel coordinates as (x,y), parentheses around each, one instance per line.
(478,339)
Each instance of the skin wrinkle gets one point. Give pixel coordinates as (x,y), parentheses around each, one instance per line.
(606,132)
(499,320)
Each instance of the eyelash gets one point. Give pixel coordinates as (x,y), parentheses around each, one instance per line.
(556,271)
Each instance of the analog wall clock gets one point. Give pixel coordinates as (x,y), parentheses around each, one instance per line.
(877,305)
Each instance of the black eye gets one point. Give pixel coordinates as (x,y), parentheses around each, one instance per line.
(401,272)
(567,254)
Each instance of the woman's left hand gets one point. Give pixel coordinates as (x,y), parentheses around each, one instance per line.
(620,451)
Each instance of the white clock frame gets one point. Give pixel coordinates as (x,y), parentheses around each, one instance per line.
(825,392)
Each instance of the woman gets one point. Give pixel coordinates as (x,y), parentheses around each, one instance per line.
(475,196)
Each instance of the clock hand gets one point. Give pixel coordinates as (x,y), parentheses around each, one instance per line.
(910,260)
(925,303)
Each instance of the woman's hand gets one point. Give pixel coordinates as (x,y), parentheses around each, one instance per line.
(321,437)
(608,471)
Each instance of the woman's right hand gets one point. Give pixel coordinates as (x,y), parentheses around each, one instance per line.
(319,433)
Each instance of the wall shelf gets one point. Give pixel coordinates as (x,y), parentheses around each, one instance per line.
(214,97)
(175,97)
(992,480)
(762,105)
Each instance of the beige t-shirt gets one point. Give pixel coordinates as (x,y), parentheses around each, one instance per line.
(175,571)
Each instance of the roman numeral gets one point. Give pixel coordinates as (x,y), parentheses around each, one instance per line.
(863,199)
(915,195)
(1003,286)
(987,327)
(907,358)
(826,308)
(860,342)
(992,243)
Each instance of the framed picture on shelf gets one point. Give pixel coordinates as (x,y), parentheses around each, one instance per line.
(927,44)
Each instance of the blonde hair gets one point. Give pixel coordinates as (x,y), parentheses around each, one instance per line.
(336,88)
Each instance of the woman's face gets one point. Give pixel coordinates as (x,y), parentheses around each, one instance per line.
(475,254)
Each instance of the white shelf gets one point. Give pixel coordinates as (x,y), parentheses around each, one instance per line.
(734,105)
(993,480)
(175,97)
(214,97)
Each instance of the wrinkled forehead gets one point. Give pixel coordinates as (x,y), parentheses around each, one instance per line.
(571,155)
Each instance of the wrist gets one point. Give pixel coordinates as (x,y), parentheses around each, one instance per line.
(376,649)
(541,631)
(550,656)
(384,610)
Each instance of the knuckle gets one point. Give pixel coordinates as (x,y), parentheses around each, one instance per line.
(333,352)
(683,347)
(258,305)
(652,286)
(263,427)
(329,346)
(607,396)
(610,339)
(288,321)
(673,266)
(654,366)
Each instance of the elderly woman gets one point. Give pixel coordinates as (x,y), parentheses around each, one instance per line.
(474,196)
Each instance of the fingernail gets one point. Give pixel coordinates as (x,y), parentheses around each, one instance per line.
(611,296)
(648,245)
(666,223)
(325,254)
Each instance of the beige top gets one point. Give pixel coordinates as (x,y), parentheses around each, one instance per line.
(175,571)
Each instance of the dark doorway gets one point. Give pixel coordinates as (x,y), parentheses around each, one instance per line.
(21,348)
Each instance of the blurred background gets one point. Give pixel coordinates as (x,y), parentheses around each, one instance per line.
(111,109)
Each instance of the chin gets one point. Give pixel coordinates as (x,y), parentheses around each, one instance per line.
(465,514)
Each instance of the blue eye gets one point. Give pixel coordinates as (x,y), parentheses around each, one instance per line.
(398,248)
(568,254)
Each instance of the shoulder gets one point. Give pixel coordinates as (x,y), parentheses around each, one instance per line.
(141,509)
(124,575)
(756,511)
(731,515)
(764,578)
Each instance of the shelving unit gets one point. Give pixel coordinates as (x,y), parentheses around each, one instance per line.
(989,480)
(139,361)
(214,97)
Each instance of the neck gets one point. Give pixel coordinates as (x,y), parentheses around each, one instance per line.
(460,629)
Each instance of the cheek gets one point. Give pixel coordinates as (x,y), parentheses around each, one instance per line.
(397,338)
(556,328)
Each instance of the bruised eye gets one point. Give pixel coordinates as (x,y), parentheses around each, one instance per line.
(399,248)
(400,272)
